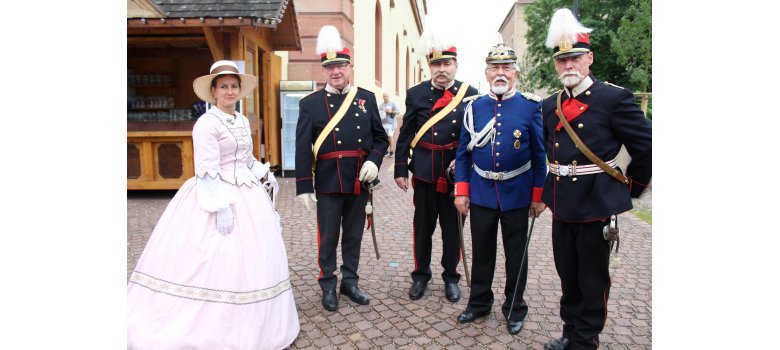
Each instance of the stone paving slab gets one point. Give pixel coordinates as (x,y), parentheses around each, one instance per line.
(391,320)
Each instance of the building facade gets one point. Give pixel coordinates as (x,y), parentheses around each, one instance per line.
(381,34)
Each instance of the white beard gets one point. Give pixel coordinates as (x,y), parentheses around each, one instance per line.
(499,90)
(570,79)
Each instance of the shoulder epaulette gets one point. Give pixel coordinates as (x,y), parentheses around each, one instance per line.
(610,84)
(532,97)
(309,94)
(366,90)
(470,98)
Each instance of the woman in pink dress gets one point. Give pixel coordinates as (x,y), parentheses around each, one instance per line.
(214,273)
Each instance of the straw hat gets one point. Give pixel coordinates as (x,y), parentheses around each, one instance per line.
(202,85)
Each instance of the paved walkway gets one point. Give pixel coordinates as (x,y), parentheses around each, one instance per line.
(393,321)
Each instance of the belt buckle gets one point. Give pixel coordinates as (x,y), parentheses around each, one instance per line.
(494,176)
(563,170)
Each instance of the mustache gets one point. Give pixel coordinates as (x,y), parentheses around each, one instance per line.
(500,78)
(443,74)
(573,72)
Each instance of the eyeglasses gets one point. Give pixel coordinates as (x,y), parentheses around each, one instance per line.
(495,69)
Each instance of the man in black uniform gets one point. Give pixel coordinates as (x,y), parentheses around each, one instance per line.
(433,149)
(583,197)
(349,144)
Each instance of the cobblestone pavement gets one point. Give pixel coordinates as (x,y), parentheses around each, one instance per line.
(393,321)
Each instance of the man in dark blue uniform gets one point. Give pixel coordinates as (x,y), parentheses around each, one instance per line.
(429,133)
(582,196)
(349,153)
(499,173)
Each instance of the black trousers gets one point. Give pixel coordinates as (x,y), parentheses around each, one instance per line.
(582,261)
(428,205)
(484,232)
(336,212)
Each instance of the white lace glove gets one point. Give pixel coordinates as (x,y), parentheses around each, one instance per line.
(271,185)
(305,198)
(260,169)
(225,221)
(368,172)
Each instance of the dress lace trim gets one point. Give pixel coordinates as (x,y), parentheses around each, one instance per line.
(248,181)
(209,295)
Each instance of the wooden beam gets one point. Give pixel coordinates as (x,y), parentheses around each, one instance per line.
(215,44)
(259,36)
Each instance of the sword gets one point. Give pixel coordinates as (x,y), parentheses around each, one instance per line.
(522,262)
(451,178)
(370,214)
(463,249)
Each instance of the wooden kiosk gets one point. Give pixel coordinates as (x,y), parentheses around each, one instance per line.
(170,45)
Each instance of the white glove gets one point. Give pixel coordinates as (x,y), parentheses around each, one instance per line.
(260,169)
(368,172)
(225,221)
(305,197)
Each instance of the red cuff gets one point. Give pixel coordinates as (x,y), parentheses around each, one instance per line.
(461,188)
(536,194)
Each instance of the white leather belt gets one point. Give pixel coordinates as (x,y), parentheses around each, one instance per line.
(574,169)
(502,175)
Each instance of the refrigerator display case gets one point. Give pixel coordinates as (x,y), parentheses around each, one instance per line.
(291,91)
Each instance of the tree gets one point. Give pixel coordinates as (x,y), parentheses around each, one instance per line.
(605,18)
(633,44)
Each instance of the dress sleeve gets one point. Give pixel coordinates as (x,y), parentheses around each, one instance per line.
(213,193)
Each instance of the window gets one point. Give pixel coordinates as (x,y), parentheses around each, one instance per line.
(397,66)
(378,44)
(250,69)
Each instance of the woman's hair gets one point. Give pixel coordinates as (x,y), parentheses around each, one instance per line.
(214,81)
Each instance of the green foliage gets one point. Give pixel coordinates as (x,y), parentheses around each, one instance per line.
(633,44)
(606,19)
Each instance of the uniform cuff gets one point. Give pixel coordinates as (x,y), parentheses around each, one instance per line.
(461,188)
(536,194)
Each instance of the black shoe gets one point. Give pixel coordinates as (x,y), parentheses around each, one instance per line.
(355,294)
(330,301)
(452,291)
(417,290)
(468,316)
(557,344)
(514,327)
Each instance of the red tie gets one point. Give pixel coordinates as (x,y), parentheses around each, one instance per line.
(571,109)
(443,101)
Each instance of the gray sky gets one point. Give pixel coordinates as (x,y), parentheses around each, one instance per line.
(475,25)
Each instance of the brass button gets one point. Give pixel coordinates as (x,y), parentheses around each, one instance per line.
(498,143)
(498,133)
(337,129)
(556,145)
(454,121)
(499,105)
(498,115)
(499,124)
(436,134)
(357,115)
(455,88)
(358,126)
(587,93)
(331,105)
(360,140)
(328,95)
(354,103)
(557,178)
(453,134)
(454,110)
(582,108)
(431,87)
(556,162)
(580,125)
(341,156)
(498,154)
(573,162)
(574,179)
(339,142)
(498,165)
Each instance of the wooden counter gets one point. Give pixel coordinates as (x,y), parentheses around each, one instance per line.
(160,156)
